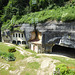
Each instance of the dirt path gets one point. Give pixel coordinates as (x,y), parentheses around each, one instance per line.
(4,65)
(22,51)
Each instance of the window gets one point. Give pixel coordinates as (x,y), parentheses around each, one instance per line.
(13,35)
(22,35)
(14,42)
(19,35)
(18,42)
(16,34)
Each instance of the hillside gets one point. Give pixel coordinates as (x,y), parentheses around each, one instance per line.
(52,10)
(30,63)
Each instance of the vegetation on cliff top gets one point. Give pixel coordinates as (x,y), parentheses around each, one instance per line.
(22,11)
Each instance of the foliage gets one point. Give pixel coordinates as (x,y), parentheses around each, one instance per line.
(7,56)
(22,11)
(26,47)
(10,55)
(12,49)
(62,69)
(68,62)
(3,54)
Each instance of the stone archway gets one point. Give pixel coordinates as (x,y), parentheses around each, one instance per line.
(23,42)
(18,42)
(14,42)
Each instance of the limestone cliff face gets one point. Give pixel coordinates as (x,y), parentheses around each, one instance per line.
(59,33)
(53,32)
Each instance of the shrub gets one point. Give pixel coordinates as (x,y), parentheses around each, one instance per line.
(62,69)
(10,57)
(12,49)
(3,54)
(26,47)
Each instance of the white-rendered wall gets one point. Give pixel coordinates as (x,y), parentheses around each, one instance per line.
(18,38)
(32,46)
(36,48)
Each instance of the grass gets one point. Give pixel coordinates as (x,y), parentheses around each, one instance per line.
(69,62)
(30,67)
(33,65)
(37,56)
(34,54)
(29,72)
(4,47)
(4,72)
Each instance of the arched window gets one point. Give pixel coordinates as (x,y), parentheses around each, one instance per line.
(16,34)
(22,35)
(18,42)
(19,34)
(14,42)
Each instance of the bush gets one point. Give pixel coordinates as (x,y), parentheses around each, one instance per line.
(3,54)
(10,57)
(62,69)
(12,49)
(26,47)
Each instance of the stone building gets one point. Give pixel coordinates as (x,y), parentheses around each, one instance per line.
(6,37)
(15,37)
(18,37)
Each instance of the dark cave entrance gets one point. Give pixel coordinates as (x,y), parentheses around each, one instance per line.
(57,49)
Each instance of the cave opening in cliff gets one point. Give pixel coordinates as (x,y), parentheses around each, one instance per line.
(63,50)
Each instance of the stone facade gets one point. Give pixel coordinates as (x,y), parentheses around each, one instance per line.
(15,37)
(18,37)
(6,36)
